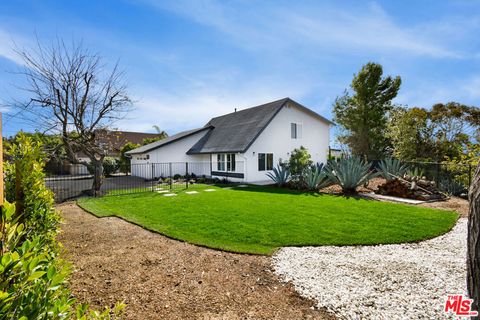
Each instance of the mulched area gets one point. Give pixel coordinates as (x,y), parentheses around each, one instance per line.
(161,278)
(452,204)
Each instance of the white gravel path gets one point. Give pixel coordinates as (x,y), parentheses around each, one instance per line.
(407,281)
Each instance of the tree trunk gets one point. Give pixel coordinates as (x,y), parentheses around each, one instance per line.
(473,255)
(97,176)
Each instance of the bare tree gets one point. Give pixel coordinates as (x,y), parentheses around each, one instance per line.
(473,255)
(74,94)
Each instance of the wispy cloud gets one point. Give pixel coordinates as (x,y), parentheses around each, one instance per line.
(320,26)
(201,99)
(7,44)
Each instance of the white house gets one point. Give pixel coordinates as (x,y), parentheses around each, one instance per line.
(241,146)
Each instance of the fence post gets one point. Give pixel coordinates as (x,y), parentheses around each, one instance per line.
(153,177)
(187,177)
(170,174)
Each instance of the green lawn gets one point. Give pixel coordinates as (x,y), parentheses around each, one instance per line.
(261,219)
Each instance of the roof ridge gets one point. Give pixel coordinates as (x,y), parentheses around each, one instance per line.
(258,106)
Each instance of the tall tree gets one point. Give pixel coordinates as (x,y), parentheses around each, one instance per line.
(363,115)
(410,133)
(443,132)
(73,93)
(473,254)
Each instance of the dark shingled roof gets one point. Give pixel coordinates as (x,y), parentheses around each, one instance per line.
(160,143)
(233,132)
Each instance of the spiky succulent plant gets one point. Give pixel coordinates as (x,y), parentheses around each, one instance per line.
(280,175)
(349,173)
(316,177)
(390,168)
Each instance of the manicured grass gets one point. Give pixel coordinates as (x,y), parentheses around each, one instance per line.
(261,219)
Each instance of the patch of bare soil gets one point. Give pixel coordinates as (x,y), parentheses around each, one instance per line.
(161,278)
(453,204)
(372,186)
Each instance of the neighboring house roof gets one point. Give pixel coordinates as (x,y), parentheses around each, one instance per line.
(233,132)
(113,140)
(163,142)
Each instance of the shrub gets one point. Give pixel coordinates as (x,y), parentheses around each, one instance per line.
(110,166)
(35,200)
(391,168)
(32,275)
(349,173)
(316,177)
(300,161)
(176,176)
(280,175)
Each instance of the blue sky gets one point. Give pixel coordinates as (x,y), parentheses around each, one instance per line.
(187,61)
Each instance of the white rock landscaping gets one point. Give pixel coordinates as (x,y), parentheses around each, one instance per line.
(406,281)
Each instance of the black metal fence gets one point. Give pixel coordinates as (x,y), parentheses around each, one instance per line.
(148,177)
(450,177)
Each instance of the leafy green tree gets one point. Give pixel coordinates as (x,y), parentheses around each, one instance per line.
(443,132)
(124,162)
(410,134)
(363,114)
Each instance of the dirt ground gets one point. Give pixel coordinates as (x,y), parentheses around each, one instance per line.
(161,278)
(454,204)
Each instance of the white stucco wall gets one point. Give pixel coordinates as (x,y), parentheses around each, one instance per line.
(175,153)
(276,139)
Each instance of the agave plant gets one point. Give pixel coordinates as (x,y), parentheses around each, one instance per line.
(415,173)
(316,177)
(349,173)
(453,187)
(391,168)
(280,175)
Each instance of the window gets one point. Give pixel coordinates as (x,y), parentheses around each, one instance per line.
(265,161)
(269,161)
(230,162)
(296,130)
(261,162)
(226,162)
(220,162)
